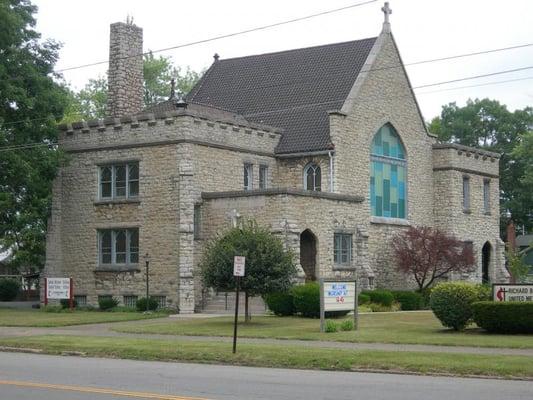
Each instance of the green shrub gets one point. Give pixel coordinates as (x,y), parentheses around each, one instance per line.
(65,303)
(9,288)
(141,304)
(500,317)
(408,300)
(363,298)
(451,303)
(347,325)
(107,303)
(52,308)
(331,326)
(281,304)
(380,296)
(306,300)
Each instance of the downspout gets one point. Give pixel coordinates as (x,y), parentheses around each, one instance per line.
(330,154)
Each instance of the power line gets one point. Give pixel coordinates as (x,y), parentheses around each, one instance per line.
(259,28)
(52,144)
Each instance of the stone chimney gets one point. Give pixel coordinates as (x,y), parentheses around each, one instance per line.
(125,75)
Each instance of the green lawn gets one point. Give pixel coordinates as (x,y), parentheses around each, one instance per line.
(414,328)
(39,318)
(282,356)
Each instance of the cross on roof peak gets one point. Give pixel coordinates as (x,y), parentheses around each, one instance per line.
(386,12)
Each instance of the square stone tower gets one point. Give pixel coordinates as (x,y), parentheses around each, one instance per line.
(125,80)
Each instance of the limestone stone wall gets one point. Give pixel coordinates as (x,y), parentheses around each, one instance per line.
(290,171)
(382,95)
(451,164)
(288,215)
(125,75)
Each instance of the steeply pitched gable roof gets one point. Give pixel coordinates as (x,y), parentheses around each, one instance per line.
(292,90)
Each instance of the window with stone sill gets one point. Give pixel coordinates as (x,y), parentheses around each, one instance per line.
(466,194)
(486,196)
(119,181)
(342,249)
(312,177)
(118,247)
(263,175)
(248,176)
(388,174)
(130,301)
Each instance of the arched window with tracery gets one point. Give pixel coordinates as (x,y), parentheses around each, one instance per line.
(312,177)
(388,174)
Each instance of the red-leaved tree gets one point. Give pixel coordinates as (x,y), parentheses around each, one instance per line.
(428,254)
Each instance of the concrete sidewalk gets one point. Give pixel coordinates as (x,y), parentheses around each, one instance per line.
(105,330)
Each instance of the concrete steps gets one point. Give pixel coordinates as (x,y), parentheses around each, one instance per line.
(224,303)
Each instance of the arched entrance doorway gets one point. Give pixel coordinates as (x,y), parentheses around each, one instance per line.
(308,254)
(485,262)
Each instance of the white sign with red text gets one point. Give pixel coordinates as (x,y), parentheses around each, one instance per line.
(238,265)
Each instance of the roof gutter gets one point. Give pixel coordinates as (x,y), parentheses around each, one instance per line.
(306,154)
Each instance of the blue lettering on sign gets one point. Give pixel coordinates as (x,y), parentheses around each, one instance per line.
(336,293)
(338,286)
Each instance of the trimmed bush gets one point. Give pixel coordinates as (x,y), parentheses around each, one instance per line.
(380,296)
(347,325)
(508,317)
(451,303)
(331,326)
(9,288)
(107,303)
(65,303)
(280,304)
(306,300)
(141,304)
(363,298)
(408,300)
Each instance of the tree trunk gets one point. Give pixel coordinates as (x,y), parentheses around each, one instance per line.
(247,313)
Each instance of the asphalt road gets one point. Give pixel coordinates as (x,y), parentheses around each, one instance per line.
(42,377)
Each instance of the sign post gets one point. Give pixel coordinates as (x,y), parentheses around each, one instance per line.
(238,271)
(338,295)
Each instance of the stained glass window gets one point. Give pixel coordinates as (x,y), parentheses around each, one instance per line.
(388,174)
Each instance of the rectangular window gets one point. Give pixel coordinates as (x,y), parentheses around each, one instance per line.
(81,300)
(197,221)
(161,301)
(118,246)
(342,250)
(130,301)
(466,193)
(486,196)
(248,177)
(263,175)
(119,181)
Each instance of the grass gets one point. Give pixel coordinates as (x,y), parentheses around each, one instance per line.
(39,318)
(404,328)
(282,356)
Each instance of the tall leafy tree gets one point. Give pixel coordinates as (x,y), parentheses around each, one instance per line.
(490,125)
(90,102)
(31,103)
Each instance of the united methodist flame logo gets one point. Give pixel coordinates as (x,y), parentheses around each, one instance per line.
(500,294)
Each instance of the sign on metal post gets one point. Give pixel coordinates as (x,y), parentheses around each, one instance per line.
(338,295)
(502,292)
(238,271)
(238,265)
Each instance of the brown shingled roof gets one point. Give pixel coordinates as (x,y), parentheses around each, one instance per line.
(292,90)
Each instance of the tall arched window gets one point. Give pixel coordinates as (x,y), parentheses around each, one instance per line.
(388,174)
(312,177)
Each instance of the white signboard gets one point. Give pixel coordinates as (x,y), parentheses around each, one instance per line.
(339,296)
(506,292)
(238,265)
(58,288)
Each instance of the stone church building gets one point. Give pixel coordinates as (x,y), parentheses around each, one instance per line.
(326,146)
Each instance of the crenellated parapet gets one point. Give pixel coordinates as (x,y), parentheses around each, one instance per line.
(465,159)
(169,127)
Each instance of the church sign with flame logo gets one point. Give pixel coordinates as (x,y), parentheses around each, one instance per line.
(510,292)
